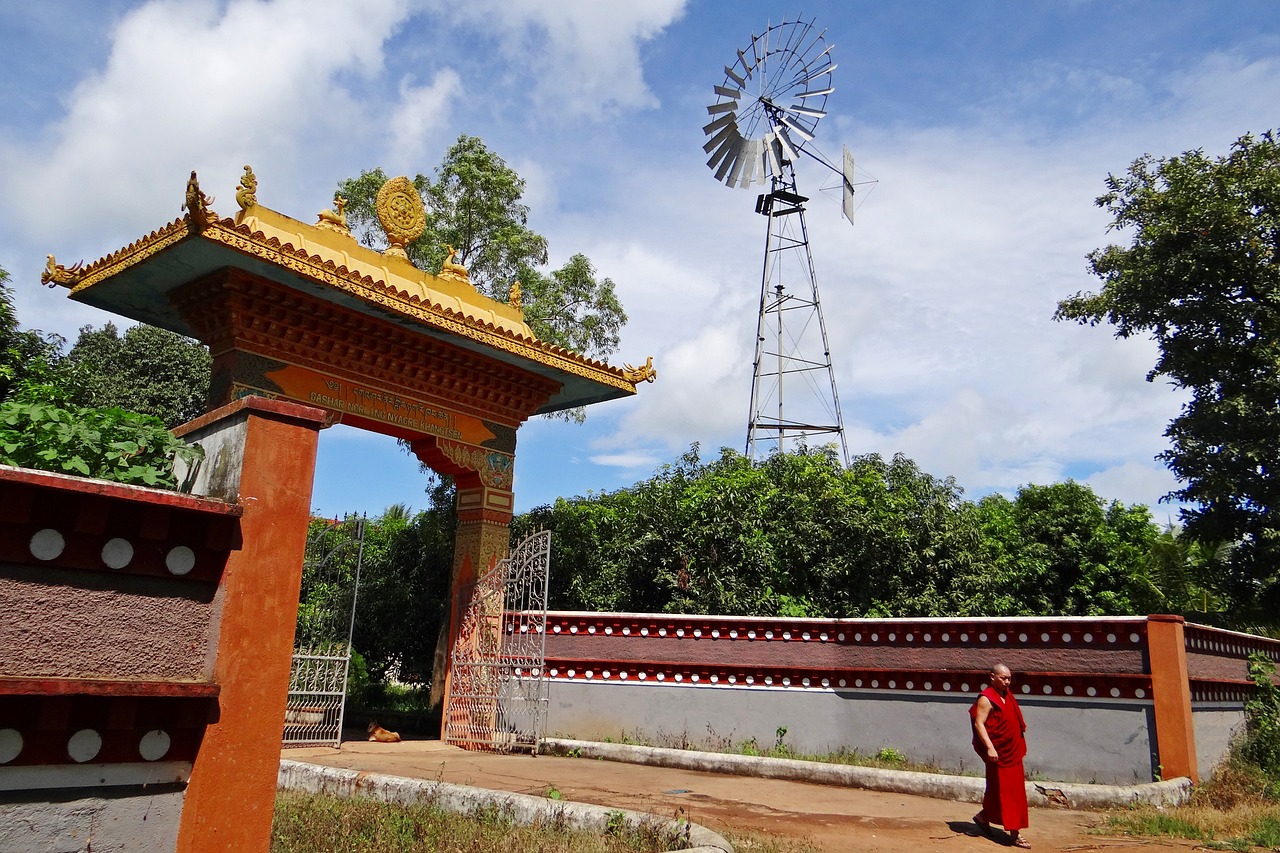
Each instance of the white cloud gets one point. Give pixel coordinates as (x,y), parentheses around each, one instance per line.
(419,119)
(581,56)
(204,85)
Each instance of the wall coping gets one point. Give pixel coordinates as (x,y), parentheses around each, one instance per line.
(119,491)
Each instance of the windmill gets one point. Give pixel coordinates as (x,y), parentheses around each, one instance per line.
(765,115)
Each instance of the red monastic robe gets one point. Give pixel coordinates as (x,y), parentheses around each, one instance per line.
(1005,802)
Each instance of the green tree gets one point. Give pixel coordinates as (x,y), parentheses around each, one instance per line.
(1201,276)
(1061,550)
(146,370)
(474,204)
(29,360)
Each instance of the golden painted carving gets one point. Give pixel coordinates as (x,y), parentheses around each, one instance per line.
(494,467)
(246,195)
(644,373)
(56,273)
(197,205)
(451,270)
(336,219)
(403,218)
(514,299)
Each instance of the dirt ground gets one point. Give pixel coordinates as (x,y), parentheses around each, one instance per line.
(832,819)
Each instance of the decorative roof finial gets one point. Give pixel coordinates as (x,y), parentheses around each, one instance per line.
(246,195)
(403,218)
(643,373)
(336,219)
(514,298)
(451,270)
(55,273)
(197,205)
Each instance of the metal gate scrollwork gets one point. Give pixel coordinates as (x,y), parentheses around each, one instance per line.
(498,690)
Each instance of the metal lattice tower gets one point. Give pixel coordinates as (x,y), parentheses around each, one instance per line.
(794,400)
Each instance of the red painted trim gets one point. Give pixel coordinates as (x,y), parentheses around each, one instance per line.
(16,686)
(15,478)
(1051,685)
(279,410)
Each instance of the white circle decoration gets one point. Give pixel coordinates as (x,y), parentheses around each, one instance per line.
(180,560)
(10,745)
(47,544)
(154,745)
(117,553)
(84,746)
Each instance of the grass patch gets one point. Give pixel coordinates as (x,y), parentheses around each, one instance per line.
(1234,810)
(884,759)
(319,823)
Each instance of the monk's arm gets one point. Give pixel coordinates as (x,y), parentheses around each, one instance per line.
(980,726)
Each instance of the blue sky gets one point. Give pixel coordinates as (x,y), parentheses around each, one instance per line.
(989,127)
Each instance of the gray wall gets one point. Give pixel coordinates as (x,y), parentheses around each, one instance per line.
(1215,723)
(927,728)
(101,820)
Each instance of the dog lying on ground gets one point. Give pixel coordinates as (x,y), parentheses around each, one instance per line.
(381,735)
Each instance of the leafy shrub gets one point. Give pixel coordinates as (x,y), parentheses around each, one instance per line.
(1261,743)
(105,444)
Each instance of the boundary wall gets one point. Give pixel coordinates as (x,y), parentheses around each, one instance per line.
(1118,700)
(145,643)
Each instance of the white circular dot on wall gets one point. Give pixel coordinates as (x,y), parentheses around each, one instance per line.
(642,676)
(626,632)
(1133,638)
(1068,690)
(679,632)
(679,677)
(786,635)
(733,679)
(1004,637)
(1026,688)
(964,688)
(591,629)
(805,682)
(47,544)
(1044,638)
(662,632)
(623,675)
(573,629)
(1088,638)
(10,745)
(661,676)
(1111,638)
(1022,638)
(608,632)
(556,629)
(1047,689)
(715,679)
(1115,692)
(180,560)
(1066,638)
(117,553)
(1140,693)
(84,745)
(154,745)
(768,679)
(1092,691)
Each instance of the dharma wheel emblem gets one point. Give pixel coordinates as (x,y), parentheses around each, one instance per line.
(402,215)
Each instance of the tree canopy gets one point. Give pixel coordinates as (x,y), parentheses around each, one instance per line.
(1201,277)
(147,370)
(28,358)
(474,204)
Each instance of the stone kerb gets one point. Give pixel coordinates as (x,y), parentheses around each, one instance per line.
(106,648)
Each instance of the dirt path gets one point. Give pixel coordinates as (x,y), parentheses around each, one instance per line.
(832,819)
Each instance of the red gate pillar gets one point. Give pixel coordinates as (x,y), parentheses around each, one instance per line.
(260,453)
(1171,695)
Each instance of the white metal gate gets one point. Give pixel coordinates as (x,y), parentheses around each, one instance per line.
(326,618)
(498,683)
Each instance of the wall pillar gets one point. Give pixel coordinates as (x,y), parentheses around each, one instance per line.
(260,453)
(1171,693)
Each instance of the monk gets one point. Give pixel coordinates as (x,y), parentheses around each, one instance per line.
(999,737)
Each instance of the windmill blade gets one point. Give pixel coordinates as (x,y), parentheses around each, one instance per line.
(730,153)
(794,126)
(814,75)
(732,94)
(721,137)
(740,162)
(723,150)
(814,93)
(714,127)
(771,156)
(751,167)
(806,111)
(727,106)
(847,173)
(784,142)
(732,75)
(742,57)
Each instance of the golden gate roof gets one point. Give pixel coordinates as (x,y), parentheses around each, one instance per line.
(326,261)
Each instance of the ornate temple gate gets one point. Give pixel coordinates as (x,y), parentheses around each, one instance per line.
(498,692)
(294,312)
(315,708)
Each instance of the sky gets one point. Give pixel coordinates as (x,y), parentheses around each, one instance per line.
(984,130)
